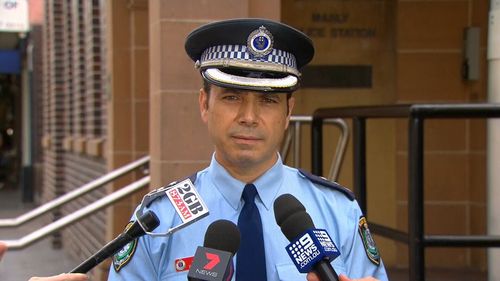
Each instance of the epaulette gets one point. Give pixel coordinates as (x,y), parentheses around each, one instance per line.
(156,193)
(324,182)
(191,177)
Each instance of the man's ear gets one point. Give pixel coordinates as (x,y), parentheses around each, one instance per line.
(203,104)
(291,104)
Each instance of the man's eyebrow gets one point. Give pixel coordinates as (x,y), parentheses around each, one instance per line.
(271,95)
(241,91)
(227,89)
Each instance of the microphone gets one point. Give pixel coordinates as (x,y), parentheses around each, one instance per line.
(310,249)
(214,261)
(149,220)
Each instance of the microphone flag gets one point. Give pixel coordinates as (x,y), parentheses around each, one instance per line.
(187,202)
(211,265)
(311,247)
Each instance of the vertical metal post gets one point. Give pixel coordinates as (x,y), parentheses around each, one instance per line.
(359,161)
(493,138)
(27,140)
(296,143)
(416,199)
(317,146)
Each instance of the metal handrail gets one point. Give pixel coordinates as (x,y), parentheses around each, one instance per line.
(77,215)
(298,121)
(416,115)
(57,202)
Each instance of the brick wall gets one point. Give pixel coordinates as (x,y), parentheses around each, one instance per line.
(53,114)
(73,117)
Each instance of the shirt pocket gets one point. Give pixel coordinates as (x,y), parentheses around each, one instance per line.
(288,272)
(339,266)
(175,276)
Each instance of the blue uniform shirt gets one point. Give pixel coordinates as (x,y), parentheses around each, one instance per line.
(153,258)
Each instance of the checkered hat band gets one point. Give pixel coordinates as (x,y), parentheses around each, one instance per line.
(239,52)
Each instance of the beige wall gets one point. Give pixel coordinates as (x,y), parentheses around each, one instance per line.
(429,61)
(416,55)
(178,139)
(376,51)
(413,60)
(128,103)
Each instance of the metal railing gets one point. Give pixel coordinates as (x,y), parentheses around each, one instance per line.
(77,215)
(55,203)
(416,238)
(69,219)
(293,135)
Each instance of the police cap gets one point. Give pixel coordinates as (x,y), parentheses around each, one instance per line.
(253,54)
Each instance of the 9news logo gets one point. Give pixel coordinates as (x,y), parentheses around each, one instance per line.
(312,246)
(303,251)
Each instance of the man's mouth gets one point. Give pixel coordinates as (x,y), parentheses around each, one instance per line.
(246,139)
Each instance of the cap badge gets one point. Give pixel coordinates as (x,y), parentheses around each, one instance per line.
(260,42)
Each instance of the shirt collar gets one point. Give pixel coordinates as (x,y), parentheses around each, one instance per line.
(231,189)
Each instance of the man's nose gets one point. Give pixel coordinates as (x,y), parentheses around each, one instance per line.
(249,113)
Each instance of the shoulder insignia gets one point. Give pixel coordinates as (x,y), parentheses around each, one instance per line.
(370,246)
(158,192)
(192,178)
(124,255)
(324,182)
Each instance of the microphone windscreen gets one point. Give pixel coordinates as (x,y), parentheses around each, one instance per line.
(149,221)
(296,224)
(222,235)
(291,216)
(286,205)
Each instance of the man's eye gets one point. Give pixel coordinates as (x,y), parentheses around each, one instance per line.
(270,100)
(230,97)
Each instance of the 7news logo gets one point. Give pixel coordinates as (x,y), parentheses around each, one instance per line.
(212,261)
(210,265)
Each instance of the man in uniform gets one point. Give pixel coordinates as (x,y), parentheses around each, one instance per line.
(250,68)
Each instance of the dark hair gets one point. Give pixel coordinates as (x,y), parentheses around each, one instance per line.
(206,86)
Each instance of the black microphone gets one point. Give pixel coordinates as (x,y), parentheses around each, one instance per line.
(149,221)
(214,261)
(310,248)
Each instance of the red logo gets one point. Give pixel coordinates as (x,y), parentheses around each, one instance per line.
(183,264)
(213,260)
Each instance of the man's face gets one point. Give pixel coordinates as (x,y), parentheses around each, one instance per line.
(247,127)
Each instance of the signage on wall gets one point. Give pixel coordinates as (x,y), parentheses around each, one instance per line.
(337,25)
(338,19)
(14,16)
(349,36)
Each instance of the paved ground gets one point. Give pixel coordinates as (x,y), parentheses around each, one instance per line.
(39,259)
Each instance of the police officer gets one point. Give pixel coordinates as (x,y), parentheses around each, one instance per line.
(250,67)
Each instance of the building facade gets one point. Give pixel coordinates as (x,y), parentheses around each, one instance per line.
(118,85)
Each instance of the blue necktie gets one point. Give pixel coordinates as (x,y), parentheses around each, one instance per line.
(251,258)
